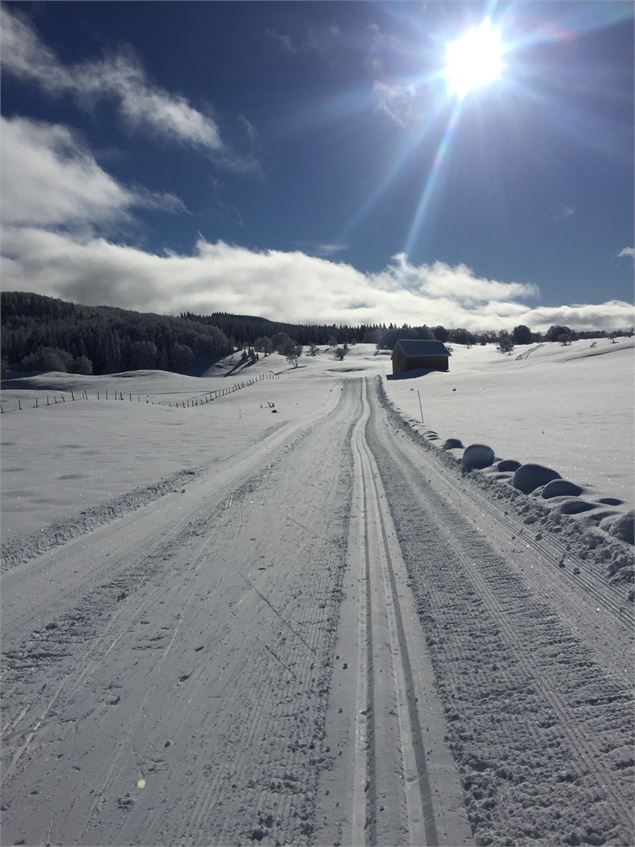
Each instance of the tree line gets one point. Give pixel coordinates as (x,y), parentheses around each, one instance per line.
(44,334)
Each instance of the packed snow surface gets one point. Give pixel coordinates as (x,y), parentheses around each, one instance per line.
(266,605)
(569,408)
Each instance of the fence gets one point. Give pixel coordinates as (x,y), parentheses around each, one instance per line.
(109,394)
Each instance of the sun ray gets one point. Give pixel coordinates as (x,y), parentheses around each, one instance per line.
(432,180)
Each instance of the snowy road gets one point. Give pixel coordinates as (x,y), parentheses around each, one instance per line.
(329,639)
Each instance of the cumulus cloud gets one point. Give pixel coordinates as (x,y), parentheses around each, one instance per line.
(275,284)
(50,179)
(120,77)
(455,282)
(626,251)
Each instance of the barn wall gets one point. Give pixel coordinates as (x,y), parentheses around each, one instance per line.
(401,363)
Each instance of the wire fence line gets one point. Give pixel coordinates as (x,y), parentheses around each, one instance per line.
(132,397)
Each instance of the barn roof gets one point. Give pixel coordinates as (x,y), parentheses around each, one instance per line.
(414,347)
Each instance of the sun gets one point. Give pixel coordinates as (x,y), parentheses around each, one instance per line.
(474,59)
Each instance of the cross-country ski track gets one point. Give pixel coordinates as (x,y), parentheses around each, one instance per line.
(328,638)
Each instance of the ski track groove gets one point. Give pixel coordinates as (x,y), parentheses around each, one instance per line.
(518,688)
(385,714)
(458,557)
(319,629)
(593,582)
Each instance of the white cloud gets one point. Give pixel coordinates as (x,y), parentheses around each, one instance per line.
(400,101)
(316,40)
(456,283)
(285,41)
(50,179)
(626,251)
(121,77)
(286,286)
(562,211)
(320,248)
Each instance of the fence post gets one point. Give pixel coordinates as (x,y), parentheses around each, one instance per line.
(19,406)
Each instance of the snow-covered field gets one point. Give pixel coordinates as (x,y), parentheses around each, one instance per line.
(570,408)
(285,615)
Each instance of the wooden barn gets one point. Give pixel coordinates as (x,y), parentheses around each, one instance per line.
(410,354)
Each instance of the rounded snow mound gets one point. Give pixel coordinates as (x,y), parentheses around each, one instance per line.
(560,488)
(451,443)
(477,456)
(574,506)
(528,477)
(624,527)
(508,465)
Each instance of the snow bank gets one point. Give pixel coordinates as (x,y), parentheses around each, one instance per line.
(567,408)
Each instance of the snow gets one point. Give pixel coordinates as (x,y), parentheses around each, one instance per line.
(569,408)
(67,457)
(287,615)
(545,404)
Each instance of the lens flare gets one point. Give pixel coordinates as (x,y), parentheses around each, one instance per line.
(474,59)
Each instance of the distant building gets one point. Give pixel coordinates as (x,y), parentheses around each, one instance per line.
(412,354)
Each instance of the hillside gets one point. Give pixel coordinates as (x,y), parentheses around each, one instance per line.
(46,334)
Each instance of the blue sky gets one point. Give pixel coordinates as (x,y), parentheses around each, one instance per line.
(307,161)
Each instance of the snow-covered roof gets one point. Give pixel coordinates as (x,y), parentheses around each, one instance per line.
(416,347)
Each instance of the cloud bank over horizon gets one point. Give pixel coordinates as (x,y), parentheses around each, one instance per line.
(62,222)
(287,286)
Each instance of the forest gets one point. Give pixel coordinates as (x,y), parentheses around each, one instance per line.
(47,334)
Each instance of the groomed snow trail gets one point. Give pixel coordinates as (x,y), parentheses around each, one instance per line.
(538,701)
(392,779)
(188,646)
(329,639)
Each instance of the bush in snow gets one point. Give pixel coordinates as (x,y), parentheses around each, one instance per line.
(292,351)
(521,334)
(47,359)
(82,365)
(505,342)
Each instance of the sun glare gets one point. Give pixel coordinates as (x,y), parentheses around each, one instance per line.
(474,59)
